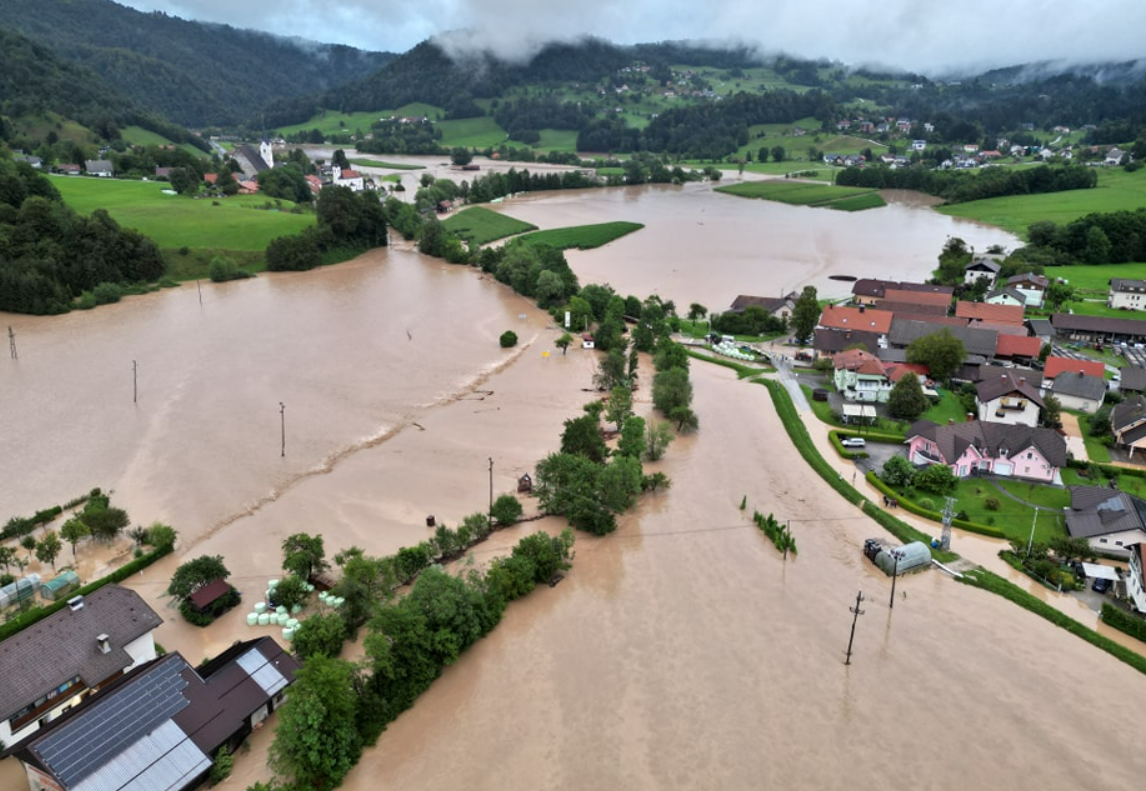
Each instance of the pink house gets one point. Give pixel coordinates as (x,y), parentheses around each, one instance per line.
(976,447)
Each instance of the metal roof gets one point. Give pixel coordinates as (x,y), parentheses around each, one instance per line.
(163,760)
(262,671)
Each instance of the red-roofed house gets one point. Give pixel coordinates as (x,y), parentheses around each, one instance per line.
(918,297)
(860,376)
(348,178)
(1056,365)
(983,311)
(1020,349)
(315,184)
(841,317)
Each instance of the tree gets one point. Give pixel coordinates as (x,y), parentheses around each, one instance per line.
(316,742)
(660,434)
(29,543)
(105,523)
(937,479)
(696,311)
(632,442)
(941,352)
(611,369)
(508,339)
(7,557)
(778,153)
(185,181)
(48,549)
(461,156)
(1058,294)
(582,437)
(304,555)
(160,536)
(563,342)
(319,635)
(906,400)
(432,238)
(74,531)
(898,472)
(619,407)
(340,159)
(291,592)
(506,509)
(805,315)
(194,574)
(670,354)
(1052,412)
(671,389)
(685,419)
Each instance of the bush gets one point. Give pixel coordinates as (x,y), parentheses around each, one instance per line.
(506,509)
(224,763)
(992,504)
(508,339)
(1133,625)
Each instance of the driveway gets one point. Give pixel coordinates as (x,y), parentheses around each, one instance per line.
(1074,444)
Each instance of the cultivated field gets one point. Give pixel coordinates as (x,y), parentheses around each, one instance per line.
(175,221)
(378,163)
(483,226)
(803,193)
(583,237)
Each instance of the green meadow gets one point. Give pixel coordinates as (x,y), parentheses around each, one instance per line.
(138,136)
(332,122)
(1096,278)
(803,193)
(480,132)
(378,163)
(1116,190)
(582,237)
(176,221)
(482,225)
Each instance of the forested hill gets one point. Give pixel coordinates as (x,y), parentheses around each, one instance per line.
(193,73)
(427,74)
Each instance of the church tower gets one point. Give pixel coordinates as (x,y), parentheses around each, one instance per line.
(267,153)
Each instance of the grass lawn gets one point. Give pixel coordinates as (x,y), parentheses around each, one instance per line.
(483,226)
(1012,517)
(948,408)
(1095,450)
(583,237)
(1116,190)
(175,221)
(1128,483)
(557,140)
(800,193)
(378,163)
(480,132)
(1096,278)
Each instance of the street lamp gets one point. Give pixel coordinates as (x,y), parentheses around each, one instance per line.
(898,555)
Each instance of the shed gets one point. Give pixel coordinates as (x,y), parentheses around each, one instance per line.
(911,557)
(209,594)
(525,484)
(59,587)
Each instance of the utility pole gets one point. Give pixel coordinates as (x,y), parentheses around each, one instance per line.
(12,342)
(200,287)
(948,515)
(1031,542)
(491,491)
(856,613)
(897,554)
(788,534)
(282,425)
(134,382)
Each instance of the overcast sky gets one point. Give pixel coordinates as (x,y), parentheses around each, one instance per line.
(919,35)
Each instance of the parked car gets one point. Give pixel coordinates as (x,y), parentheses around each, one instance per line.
(853,442)
(1100,585)
(819,394)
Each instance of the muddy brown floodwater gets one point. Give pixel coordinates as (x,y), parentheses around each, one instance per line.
(680,652)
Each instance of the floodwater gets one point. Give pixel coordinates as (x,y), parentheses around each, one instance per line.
(680,652)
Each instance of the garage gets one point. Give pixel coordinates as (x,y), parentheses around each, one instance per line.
(1004,468)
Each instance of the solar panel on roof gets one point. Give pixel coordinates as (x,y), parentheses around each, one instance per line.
(262,671)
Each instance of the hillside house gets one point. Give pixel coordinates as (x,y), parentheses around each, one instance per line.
(1109,519)
(52,665)
(101,168)
(1126,294)
(1009,400)
(1128,424)
(347,178)
(160,726)
(1114,156)
(975,447)
(250,161)
(981,267)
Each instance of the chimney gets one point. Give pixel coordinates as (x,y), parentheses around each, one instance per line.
(76,603)
(104,643)
(862,308)
(950,421)
(1022,380)
(970,416)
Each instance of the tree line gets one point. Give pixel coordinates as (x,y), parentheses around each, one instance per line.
(1099,238)
(960,186)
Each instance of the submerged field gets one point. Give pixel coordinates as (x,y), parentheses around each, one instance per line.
(803,193)
(241,222)
(483,226)
(583,237)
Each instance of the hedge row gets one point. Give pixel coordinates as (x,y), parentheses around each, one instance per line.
(1123,621)
(934,516)
(26,619)
(742,371)
(981,578)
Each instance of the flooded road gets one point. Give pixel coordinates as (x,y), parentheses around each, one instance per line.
(680,652)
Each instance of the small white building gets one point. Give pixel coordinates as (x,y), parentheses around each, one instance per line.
(981,267)
(1127,294)
(347,178)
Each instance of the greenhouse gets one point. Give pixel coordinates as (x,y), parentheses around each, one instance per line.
(912,556)
(60,587)
(20,590)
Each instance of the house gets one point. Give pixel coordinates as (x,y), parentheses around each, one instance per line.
(52,665)
(975,447)
(99,167)
(347,178)
(981,267)
(1005,296)
(1114,156)
(1008,399)
(1034,378)
(997,314)
(1041,329)
(1132,380)
(979,344)
(587,341)
(1032,287)
(1109,519)
(1079,391)
(842,317)
(159,726)
(1098,329)
(1127,294)
(1017,349)
(34,162)
(866,290)
(250,161)
(69,169)
(163,173)
(315,183)
(1056,365)
(828,343)
(1135,581)
(860,376)
(918,145)
(1128,424)
(778,307)
(922,301)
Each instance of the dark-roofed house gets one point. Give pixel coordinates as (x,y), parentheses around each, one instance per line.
(1032,287)
(995,314)
(1109,519)
(1005,296)
(981,267)
(975,447)
(99,167)
(1008,399)
(976,342)
(1127,294)
(53,664)
(250,161)
(1128,423)
(1079,391)
(779,307)
(1098,329)
(1034,378)
(1133,380)
(158,727)
(866,291)
(828,343)
(1041,329)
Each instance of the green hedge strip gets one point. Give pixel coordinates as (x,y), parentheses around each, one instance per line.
(1132,625)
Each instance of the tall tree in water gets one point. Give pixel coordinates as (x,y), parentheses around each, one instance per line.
(805,315)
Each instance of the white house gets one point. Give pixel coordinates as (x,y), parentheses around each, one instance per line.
(1009,400)
(981,267)
(52,665)
(1127,294)
(1135,584)
(1114,156)
(1109,519)
(1005,296)
(348,178)
(1079,391)
(860,376)
(1032,287)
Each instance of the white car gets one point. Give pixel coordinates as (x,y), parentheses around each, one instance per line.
(853,442)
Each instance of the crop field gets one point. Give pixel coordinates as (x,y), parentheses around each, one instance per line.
(378,163)
(583,237)
(484,226)
(872,200)
(802,193)
(1116,190)
(175,221)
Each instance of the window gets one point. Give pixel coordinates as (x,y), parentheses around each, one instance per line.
(1102,540)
